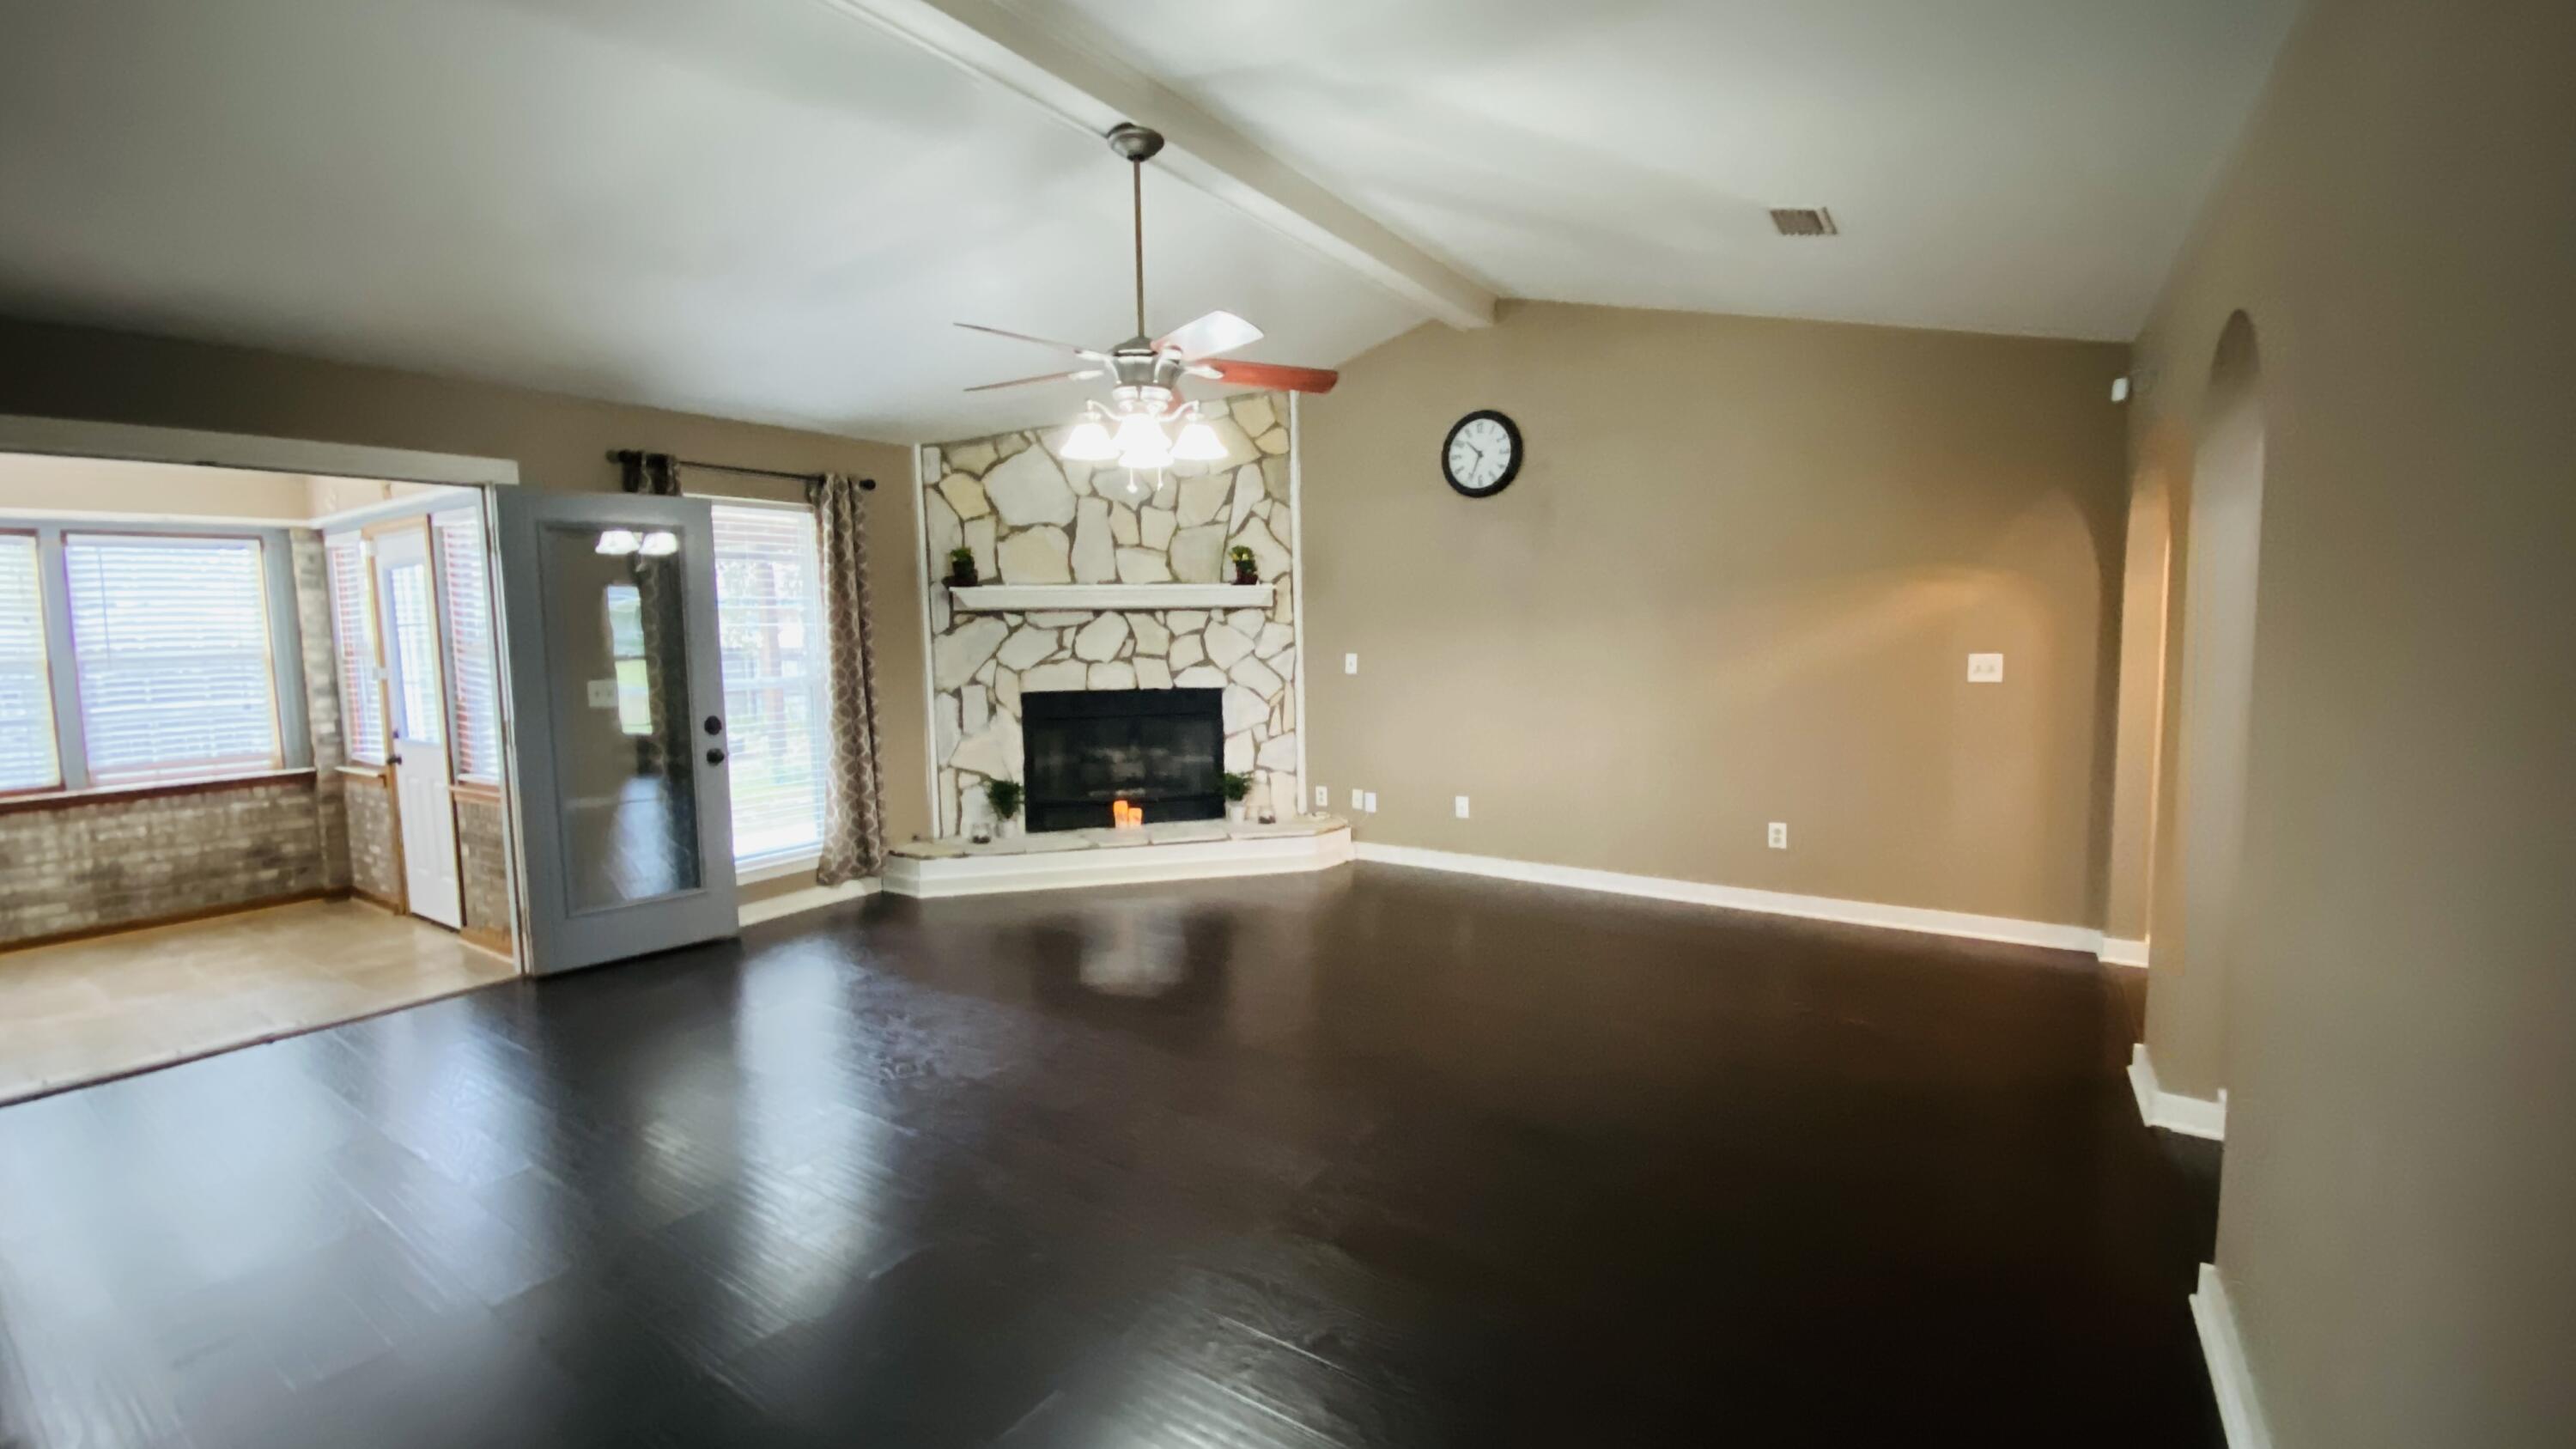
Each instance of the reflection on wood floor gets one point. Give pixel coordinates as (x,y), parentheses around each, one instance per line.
(86,1010)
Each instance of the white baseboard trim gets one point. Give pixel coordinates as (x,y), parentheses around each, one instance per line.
(811,898)
(1742,898)
(2229,1378)
(2193,1116)
(2119,951)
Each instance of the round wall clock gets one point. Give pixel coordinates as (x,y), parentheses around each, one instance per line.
(1482,454)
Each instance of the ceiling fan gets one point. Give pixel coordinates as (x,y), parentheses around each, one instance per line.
(1146,370)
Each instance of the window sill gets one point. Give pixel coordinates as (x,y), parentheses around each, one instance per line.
(775,867)
(151,790)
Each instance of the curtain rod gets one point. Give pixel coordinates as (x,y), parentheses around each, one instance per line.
(621,455)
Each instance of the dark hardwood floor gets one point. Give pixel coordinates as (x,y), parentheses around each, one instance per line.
(1377,1157)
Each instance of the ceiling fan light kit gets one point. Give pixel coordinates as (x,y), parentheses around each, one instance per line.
(1135,429)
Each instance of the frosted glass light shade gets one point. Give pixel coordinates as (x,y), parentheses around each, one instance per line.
(1089,443)
(1138,433)
(615,541)
(1198,443)
(1157,456)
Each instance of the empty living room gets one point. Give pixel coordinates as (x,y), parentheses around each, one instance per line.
(1056,724)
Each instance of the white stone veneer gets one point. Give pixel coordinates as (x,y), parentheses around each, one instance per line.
(1031,517)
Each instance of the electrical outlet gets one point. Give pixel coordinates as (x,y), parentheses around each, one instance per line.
(1462,807)
(1779,836)
(1350,664)
(1985,669)
(1323,797)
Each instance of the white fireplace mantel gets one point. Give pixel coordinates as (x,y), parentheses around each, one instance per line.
(1023,598)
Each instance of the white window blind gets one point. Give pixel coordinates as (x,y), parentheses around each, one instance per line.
(414,656)
(170,649)
(353,635)
(477,744)
(27,759)
(769,614)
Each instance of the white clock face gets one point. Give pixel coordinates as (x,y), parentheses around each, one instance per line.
(1480,454)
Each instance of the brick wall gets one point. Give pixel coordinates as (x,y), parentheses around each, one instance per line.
(486,879)
(375,856)
(322,702)
(103,863)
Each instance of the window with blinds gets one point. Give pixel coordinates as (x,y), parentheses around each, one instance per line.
(477,734)
(769,613)
(170,653)
(353,637)
(27,759)
(410,619)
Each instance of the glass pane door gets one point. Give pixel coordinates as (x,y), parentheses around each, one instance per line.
(621,741)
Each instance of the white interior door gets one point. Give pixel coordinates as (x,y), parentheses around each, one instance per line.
(420,762)
(617,696)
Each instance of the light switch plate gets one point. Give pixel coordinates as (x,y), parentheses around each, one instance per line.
(1350,664)
(1368,801)
(1985,669)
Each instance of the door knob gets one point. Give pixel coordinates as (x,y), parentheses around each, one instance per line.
(715,757)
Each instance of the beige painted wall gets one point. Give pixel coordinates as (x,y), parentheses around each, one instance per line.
(93,486)
(2398,1218)
(2146,579)
(558,442)
(1736,582)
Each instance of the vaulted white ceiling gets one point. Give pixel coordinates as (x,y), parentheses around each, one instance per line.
(770,209)
(2024,166)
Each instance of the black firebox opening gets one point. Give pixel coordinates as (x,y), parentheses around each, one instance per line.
(1163,749)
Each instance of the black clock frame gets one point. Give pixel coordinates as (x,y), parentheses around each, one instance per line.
(1511,470)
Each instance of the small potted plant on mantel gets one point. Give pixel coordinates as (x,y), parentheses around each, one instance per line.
(961,568)
(1237,787)
(1247,569)
(1004,796)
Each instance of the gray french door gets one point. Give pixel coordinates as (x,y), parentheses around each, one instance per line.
(617,693)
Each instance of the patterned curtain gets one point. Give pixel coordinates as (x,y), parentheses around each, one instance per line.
(656,473)
(853,821)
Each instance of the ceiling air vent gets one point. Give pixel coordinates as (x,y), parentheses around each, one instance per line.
(1804,221)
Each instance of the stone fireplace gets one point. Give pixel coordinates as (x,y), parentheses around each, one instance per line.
(1105,582)
(1160,749)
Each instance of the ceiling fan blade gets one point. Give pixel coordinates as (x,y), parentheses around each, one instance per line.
(1074,376)
(1040,341)
(1275,377)
(1210,335)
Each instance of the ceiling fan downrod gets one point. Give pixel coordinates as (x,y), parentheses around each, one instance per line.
(1137,145)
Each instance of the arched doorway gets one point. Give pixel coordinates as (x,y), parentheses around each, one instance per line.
(2201,845)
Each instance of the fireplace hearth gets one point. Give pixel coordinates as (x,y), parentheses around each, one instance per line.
(1163,749)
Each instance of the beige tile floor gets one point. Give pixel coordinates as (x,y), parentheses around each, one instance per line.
(86,1010)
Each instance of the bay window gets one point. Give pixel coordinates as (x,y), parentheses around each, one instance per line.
(132,657)
(27,757)
(170,653)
